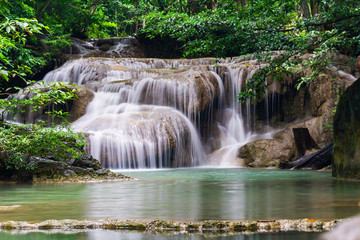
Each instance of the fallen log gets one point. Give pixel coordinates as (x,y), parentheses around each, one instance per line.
(316,160)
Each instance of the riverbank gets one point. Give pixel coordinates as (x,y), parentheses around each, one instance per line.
(47,170)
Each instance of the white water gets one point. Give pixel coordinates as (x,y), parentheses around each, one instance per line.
(151,113)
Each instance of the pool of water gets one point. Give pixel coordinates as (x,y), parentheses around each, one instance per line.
(125,235)
(188,195)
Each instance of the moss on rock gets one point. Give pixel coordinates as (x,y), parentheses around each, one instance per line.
(346,157)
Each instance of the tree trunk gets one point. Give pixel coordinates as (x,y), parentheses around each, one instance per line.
(43,10)
(243,3)
(314,6)
(303,141)
(305,9)
(180,2)
(116,23)
(193,6)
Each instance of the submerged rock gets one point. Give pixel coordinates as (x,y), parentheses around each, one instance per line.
(302,225)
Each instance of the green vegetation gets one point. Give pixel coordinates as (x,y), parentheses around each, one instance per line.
(25,47)
(20,142)
(265,28)
(216,28)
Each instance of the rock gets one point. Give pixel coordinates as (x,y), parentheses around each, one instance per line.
(282,147)
(225,228)
(69,173)
(262,153)
(190,90)
(87,162)
(319,98)
(127,47)
(78,106)
(346,163)
(46,170)
(347,230)
(303,141)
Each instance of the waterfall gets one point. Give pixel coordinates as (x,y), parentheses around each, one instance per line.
(234,125)
(156,113)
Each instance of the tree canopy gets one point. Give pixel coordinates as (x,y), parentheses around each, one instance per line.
(32,31)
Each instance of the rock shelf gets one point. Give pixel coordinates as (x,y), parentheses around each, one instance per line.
(283,225)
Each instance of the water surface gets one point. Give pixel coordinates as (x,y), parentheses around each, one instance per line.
(125,235)
(189,195)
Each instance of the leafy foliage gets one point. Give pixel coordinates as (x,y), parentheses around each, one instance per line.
(19,142)
(41,95)
(21,44)
(261,27)
(15,58)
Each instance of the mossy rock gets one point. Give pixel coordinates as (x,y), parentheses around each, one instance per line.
(346,156)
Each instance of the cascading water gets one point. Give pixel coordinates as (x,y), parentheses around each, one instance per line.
(234,120)
(149,113)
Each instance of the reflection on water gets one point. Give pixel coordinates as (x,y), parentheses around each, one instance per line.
(42,202)
(189,194)
(125,235)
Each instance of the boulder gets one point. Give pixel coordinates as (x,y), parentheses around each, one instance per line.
(78,106)
(282,146)
(346,230)
(262,153)
(346,160)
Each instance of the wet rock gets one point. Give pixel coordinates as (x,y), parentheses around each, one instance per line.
(76,107)
(318,100)
(282,146)
(80,103)
(229,227)
(190,90)
(87,162)
(287,104)
(346,163)
(127,47)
